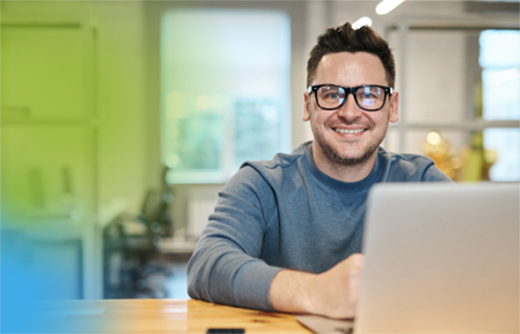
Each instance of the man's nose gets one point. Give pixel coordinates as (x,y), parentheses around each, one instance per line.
(350,110)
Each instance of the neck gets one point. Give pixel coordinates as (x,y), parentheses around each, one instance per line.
(344,173)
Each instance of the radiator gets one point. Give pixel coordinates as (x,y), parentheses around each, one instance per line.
(201,203)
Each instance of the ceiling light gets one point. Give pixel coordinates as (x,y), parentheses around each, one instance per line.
(364,21)
(386,6)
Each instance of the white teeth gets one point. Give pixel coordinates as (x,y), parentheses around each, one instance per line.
(349,131)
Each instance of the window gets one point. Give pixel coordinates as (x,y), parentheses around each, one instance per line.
(500,62)
(225,91)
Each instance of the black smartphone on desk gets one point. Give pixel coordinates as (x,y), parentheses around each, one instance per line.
(225,331)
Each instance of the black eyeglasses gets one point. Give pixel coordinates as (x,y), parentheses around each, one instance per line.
(367,97)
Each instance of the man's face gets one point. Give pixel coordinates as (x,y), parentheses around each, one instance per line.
(349,135)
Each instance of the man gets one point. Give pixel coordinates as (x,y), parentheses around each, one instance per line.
(286,234)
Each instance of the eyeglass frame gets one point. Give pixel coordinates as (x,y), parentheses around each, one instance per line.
(349,90)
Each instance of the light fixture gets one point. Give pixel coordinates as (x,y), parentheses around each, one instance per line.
(386,6)
(364,21)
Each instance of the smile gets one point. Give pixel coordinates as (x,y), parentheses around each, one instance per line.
(349,131)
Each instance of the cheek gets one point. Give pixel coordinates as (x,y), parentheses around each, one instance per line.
(380,116)
(321,117)
(371,116)
(377,120)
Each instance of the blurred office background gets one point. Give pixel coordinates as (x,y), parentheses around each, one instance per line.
(121,120)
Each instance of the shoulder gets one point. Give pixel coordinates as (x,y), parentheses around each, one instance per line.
(406,167)
(405,160)
(258,184)
(273,171)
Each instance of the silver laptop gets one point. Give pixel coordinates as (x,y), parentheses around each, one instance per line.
(440,258)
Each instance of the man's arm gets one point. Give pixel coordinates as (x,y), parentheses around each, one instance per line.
(333,293)
(226,266)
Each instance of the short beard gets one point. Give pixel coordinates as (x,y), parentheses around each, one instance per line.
(334,157)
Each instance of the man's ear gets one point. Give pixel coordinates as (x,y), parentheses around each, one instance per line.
(306,112)
(394,108)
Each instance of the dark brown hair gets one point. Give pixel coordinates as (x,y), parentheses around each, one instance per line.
(345,38)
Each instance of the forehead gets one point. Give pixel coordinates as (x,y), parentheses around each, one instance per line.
(350,69)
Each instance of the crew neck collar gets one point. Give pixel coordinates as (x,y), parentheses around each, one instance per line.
(340,185)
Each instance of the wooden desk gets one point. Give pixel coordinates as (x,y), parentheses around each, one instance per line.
(160,316)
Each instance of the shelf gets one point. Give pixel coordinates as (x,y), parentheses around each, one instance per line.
(476,23)
(85,121)
(476,125)
(177,246)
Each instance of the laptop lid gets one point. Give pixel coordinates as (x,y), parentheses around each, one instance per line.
(441,258)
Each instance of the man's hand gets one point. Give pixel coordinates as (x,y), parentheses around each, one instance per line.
(337,292)
(333,293)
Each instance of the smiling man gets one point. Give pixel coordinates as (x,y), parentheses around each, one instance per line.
(348,131)
(286,234)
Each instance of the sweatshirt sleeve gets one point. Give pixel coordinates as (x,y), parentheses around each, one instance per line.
(226,267)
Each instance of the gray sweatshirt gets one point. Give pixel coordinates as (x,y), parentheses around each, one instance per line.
(286,213)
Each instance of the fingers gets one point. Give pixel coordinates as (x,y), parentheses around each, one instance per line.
(357,262)
(355,282)
(340,292)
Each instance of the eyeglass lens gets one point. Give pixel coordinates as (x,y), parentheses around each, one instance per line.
(367,97)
